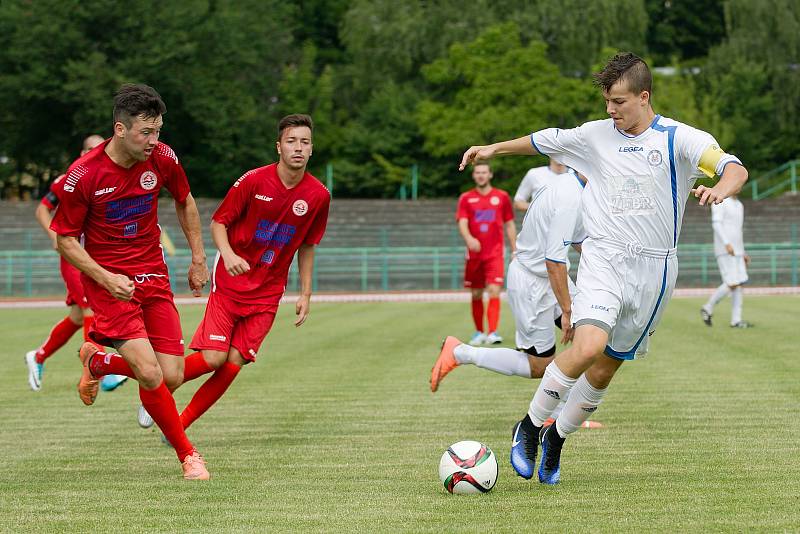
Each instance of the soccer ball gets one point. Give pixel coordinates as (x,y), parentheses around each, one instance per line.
(468,467)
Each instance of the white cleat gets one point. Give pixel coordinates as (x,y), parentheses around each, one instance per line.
(479,338)
(145,421)
(34,371)
(493,338)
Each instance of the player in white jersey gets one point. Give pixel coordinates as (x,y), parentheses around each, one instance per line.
(539,287)
(641,168)
(727,220)
(533,180)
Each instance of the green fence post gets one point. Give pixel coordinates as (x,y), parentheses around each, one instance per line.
(329,177)
(704,268)
(403,193)
(773,264)
(436,269)
(29,264)
(794,254)
(385,254)
(754,189)
(364,269)
(793,173)
(10,274)
(453,272)
(414,181)
(314,280)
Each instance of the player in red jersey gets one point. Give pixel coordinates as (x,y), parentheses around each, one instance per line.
(80,314)
(111,199)
(483,214)
(269,214)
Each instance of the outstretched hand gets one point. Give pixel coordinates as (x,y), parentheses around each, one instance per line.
(476,153)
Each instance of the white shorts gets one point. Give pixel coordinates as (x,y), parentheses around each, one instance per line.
(534,306)
(732,269)
(624,290)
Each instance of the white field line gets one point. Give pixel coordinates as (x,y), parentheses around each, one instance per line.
(414,296)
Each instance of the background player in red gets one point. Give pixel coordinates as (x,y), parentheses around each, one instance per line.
(483,214)
(80,314)
(111,199)
(269,214)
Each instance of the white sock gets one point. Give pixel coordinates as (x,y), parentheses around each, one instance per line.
(736,299)
(717,296)
(558,410)
(554,387)
(507,362)
(582,402)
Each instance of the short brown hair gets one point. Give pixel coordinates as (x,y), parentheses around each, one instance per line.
(629,67)
(296,119)
(478,162)
(134,100)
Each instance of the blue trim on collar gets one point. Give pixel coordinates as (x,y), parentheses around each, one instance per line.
(575,173)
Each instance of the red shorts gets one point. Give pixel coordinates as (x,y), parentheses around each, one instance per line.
(481,272)
(150,314)
(228,323)
(72,279)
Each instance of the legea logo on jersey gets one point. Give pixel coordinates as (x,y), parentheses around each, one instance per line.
(148,180)
(631,149)
(300,207)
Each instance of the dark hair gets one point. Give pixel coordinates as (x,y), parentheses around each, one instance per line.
(296,119)
(628,67)
(135,100)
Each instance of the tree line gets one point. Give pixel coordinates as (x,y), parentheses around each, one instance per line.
(389,84)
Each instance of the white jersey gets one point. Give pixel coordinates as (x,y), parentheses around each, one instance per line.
(533,180)
(727,219)
(638,185)
(552,223)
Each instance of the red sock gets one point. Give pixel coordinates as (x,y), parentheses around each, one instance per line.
(209,393)
(87,324)
(493,313)
(195,365)
(161,407)
(477,314)
(108,363)
(59,335)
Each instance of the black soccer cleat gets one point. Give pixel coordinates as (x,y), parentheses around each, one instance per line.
(705,316)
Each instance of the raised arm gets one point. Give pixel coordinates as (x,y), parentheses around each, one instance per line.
(189,219)
(521,146)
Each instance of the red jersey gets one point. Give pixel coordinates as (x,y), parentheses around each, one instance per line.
(266,225)
(116,209)
(486,215)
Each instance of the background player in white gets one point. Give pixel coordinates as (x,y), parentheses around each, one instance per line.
(539,288)
(641,168)
(533,180)
(727,220)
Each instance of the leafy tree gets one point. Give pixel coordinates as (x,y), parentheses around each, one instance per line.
(683,30)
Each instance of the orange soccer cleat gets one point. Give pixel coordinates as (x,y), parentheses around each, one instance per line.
(445,363)
(194,467)
(88,384)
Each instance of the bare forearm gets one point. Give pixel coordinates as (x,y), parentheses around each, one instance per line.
(521,146)
(73,252)
(43,217)
(557,273)
(732,180)
(219,234)
(463,229)
(305,266)
(511,232)
(521,205)
(189,219)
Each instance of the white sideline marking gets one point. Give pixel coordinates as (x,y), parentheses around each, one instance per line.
(414,296)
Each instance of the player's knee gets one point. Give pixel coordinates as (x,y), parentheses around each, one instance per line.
(539,361)
(215,358)
(149,375)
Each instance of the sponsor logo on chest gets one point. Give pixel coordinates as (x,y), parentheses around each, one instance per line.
(104,191)
(265,198)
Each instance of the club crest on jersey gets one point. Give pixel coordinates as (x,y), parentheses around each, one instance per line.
(654,158)
(494,201)
(148,180)
(300,207)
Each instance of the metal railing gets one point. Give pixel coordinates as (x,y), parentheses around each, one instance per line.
(359,269)
(773,182)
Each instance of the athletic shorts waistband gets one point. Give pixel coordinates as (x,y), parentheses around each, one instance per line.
(637,249)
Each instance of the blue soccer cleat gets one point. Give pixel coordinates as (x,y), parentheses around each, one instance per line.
(112,382)
(524,443)
(550,468)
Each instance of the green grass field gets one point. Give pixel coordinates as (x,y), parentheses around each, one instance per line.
(335,429)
